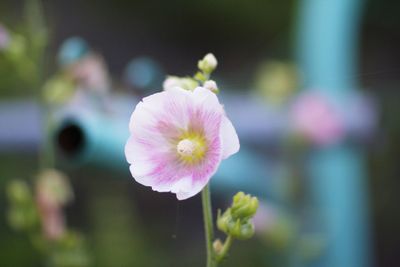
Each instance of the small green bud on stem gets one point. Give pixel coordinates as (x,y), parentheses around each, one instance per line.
(236,222)
(244,206)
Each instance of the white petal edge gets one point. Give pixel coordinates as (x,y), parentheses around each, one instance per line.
(183,188)
(229,138)
(186,189)
(142,179)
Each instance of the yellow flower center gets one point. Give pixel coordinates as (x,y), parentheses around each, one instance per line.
(191,148)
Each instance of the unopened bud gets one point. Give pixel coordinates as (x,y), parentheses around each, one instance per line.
(239,229)
(217,245)
(208,63)
(244,206)
(224,220)
(245,231)
(186,83)
(211,85)
(236,220)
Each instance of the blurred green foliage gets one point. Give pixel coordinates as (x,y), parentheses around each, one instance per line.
(28,213)
(22,61)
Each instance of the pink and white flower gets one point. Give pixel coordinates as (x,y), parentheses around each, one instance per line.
(178,139)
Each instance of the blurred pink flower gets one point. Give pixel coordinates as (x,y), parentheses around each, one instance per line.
(53,191)
(317,119)
(91,73)
(178,139)
(4,37)
(53,188)
(53,222)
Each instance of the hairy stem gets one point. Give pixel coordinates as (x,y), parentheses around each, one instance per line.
(208,226)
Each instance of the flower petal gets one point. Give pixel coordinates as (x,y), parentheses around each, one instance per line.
(229,137)
(203,96)
(185,192)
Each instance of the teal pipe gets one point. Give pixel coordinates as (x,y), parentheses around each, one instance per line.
(327,54)
(87,137)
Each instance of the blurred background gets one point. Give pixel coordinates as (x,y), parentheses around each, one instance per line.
(310,85)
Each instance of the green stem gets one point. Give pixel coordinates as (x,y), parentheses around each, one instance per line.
(208,225)
(47,153)
(225,248)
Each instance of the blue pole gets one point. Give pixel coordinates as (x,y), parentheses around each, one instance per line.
(327,54)
(327,43)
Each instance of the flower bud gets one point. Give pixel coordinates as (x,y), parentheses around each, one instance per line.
(239,229)
(244,206)
(208,63)
(236,220)
(183,83)
(211,85)
(217,245)
(224,220)
(246,231)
